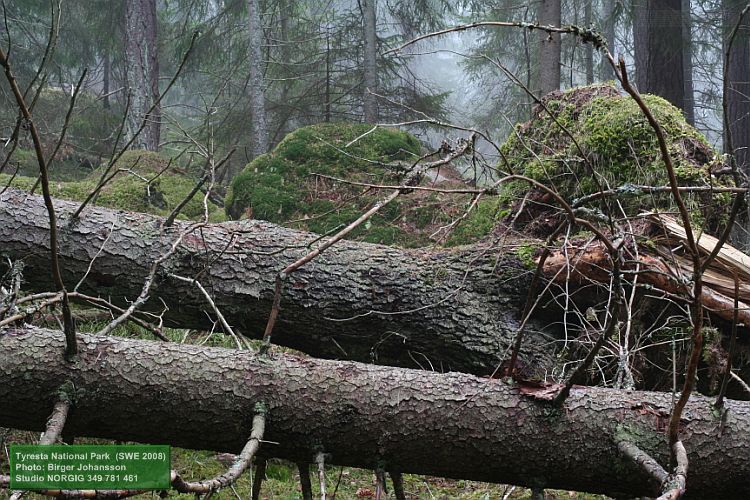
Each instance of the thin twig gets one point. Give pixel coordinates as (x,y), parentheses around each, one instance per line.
(412,178)
(696,309)
(732,341)
(71,347)
(228,329)
(207,176)
(142,126)
(612,323)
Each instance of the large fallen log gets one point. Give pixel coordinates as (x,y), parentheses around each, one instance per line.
(452,425)
(447,309)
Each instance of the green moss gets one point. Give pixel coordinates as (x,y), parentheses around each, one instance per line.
(526,254)
(478,224)
(280,186)
(617,147)
(139,189)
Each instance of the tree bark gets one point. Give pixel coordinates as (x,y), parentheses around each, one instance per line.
(687,62)
(452,425)
(105,80)
(588,19)
(258,118)
(549,47)
(738,85)
(658,36)
(370,66)
(610,23)
(142,71)
(452,309)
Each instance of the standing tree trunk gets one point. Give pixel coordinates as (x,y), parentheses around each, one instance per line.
(370,67)
(549,47)
(737,121)
(105,84)
(327,106)
(142,71)
(658,35)
(609,16)
(687,62)
(589,48)
(258,119)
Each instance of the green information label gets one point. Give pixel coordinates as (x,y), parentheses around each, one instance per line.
(90,467)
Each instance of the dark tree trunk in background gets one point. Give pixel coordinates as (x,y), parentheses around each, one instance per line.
(446,309)
(549,47)
(687,62)
(142,71)
(258,118)
(370,67)
(738,86)
(452,425)
(658,36)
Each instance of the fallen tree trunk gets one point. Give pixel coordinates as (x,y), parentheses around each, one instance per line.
(452,425)
(447,309)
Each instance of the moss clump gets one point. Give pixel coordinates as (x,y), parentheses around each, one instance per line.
(281,186)
(525,254)
(148,184)
(617,147)
(278,186)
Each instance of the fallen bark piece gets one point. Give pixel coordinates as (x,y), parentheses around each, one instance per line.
(441,309)
(452,425)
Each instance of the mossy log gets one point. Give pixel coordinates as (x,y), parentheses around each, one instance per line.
(452,425)
(452,309)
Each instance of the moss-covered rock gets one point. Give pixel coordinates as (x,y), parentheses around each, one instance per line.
(146,183)
(615,146)
(281,187)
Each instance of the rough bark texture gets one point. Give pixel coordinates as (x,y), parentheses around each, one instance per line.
(738,91)
(449,309)
(549,47)
(610,23)
(588,17)
(687,62)
(453,425)
(142,71)
(258,119)
(658,36)
(370,67)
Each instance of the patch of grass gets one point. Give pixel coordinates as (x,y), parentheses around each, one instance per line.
(146,185)
(477,224)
